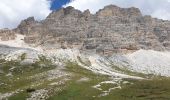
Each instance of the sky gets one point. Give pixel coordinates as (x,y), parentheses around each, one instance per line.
(57,4)
(13,11)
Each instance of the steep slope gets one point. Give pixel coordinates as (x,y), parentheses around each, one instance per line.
(111,29)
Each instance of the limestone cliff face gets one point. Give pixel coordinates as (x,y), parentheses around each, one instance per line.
(6,34)
(112,10)
(111,29)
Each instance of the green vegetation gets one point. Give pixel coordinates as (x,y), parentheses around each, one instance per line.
(17,76)
(107,86)
(86,63)
(19,96)
(23,56)
(77,89)
(125,70)
(139,90)
(155,89)
(79,71)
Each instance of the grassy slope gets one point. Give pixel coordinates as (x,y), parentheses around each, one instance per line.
(155,89)
(20,74)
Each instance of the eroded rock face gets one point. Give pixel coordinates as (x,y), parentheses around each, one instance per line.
(6,34)
(113,10)
(111,29)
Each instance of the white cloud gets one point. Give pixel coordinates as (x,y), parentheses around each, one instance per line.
(156,8)
(162,13)
(13,11)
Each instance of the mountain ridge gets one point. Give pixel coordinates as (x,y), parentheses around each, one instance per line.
(111,29)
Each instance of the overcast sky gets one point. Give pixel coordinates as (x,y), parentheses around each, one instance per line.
(13,11)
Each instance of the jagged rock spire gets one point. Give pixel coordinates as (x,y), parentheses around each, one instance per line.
(113,10)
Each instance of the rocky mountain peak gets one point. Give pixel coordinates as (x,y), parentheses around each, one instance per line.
(28,21)
(56,14)
(25,24)
(111,7)
(111,29)
(63,12)
(133,11)
(87,13)
(113,10)
(68,10)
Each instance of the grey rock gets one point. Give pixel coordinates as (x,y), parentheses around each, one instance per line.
(6,34)
(111,29)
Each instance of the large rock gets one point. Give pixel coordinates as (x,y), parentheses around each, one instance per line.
(6,35)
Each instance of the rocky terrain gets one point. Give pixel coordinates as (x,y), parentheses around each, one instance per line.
(82,56)
(111,29)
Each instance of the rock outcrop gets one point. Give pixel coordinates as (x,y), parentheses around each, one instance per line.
(6,34)
(111,29)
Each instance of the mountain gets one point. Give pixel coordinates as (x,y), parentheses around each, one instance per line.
(71,53)
(111,29)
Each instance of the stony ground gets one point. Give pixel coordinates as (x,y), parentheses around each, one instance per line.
(44,80)
(63,74)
